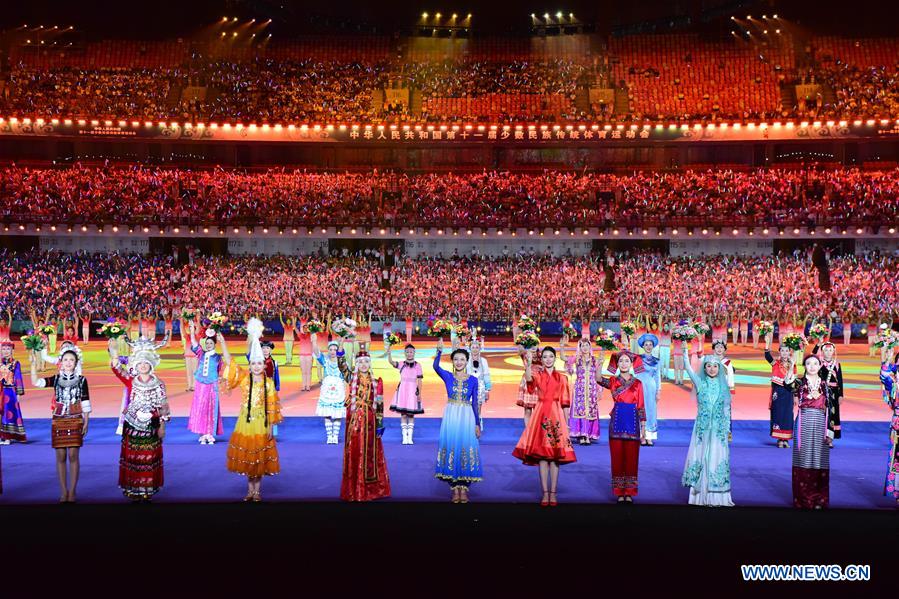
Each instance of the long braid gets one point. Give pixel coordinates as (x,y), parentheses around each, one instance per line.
(265,397)
(250,397)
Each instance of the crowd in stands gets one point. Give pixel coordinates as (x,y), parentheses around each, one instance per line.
(475,287)
(141,195)
(680,77)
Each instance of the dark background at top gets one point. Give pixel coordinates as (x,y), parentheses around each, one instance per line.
(174,18)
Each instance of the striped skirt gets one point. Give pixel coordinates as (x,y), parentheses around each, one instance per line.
(811,460)
(140,462)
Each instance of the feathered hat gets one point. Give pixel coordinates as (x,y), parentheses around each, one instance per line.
(254,334)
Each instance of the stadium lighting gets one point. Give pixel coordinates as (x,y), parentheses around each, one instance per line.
(424,15)
(559,15)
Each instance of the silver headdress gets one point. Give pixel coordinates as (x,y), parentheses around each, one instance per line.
(144,350)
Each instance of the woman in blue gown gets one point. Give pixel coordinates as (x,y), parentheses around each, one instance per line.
(458,450)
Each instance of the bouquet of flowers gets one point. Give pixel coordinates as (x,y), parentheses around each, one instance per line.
(215,321)
(188,315)
(343,327)
(628,327)
(701,328)
(885,338)
(607,340)
(48,329)
(819,331)
(526,323)
(313,326)
(112,329)
(463,332)
(570,332)
(765,327)
(438,327)
(32,341)
(794,341)
(684,331)
(527,339)
(392,339)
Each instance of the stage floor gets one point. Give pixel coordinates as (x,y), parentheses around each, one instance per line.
(311,470)
(861,376)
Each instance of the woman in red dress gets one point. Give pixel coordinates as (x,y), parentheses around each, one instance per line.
(627,429)
(364,467)
(545,441)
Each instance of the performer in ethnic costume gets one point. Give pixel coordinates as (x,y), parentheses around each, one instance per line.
(888,371)
(271,368)
(364,467)
(781,403)
(70,409)
(832,375)
(811,454)
(332,397)
(144,420)
(628,424)
(407,399)
(545,441)
(252,450)
(458,450)
(478,368)
(707,468)
(12,387)
(583,421)
(205,409)
(647,371)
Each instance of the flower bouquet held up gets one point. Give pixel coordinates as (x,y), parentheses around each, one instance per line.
(392,339)
(48,329)
(527,339)
(439,327)
(607,340)
(112,329)
(343,327)
(766,327)
(526,323)
(794,341)
(32,341)
(701,328)
(570,332)
(188,314)
(463,333)
(886,338)
(628,327)
(684,331)
(313,326)
(818,331)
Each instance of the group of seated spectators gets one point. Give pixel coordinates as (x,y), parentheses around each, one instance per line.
(665,77)
(141,195)
(776,288)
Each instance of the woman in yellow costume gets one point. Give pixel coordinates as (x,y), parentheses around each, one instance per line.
(252,451)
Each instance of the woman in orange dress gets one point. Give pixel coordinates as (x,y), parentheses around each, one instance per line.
(545,441)
(252,451)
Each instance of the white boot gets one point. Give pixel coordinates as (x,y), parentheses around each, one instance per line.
(329,430)
(405,433)
(411,426)
(335,439)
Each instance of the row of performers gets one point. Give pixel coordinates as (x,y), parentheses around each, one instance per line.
(546,441)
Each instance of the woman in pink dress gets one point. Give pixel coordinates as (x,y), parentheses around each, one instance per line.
(409,330)
(407,399)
